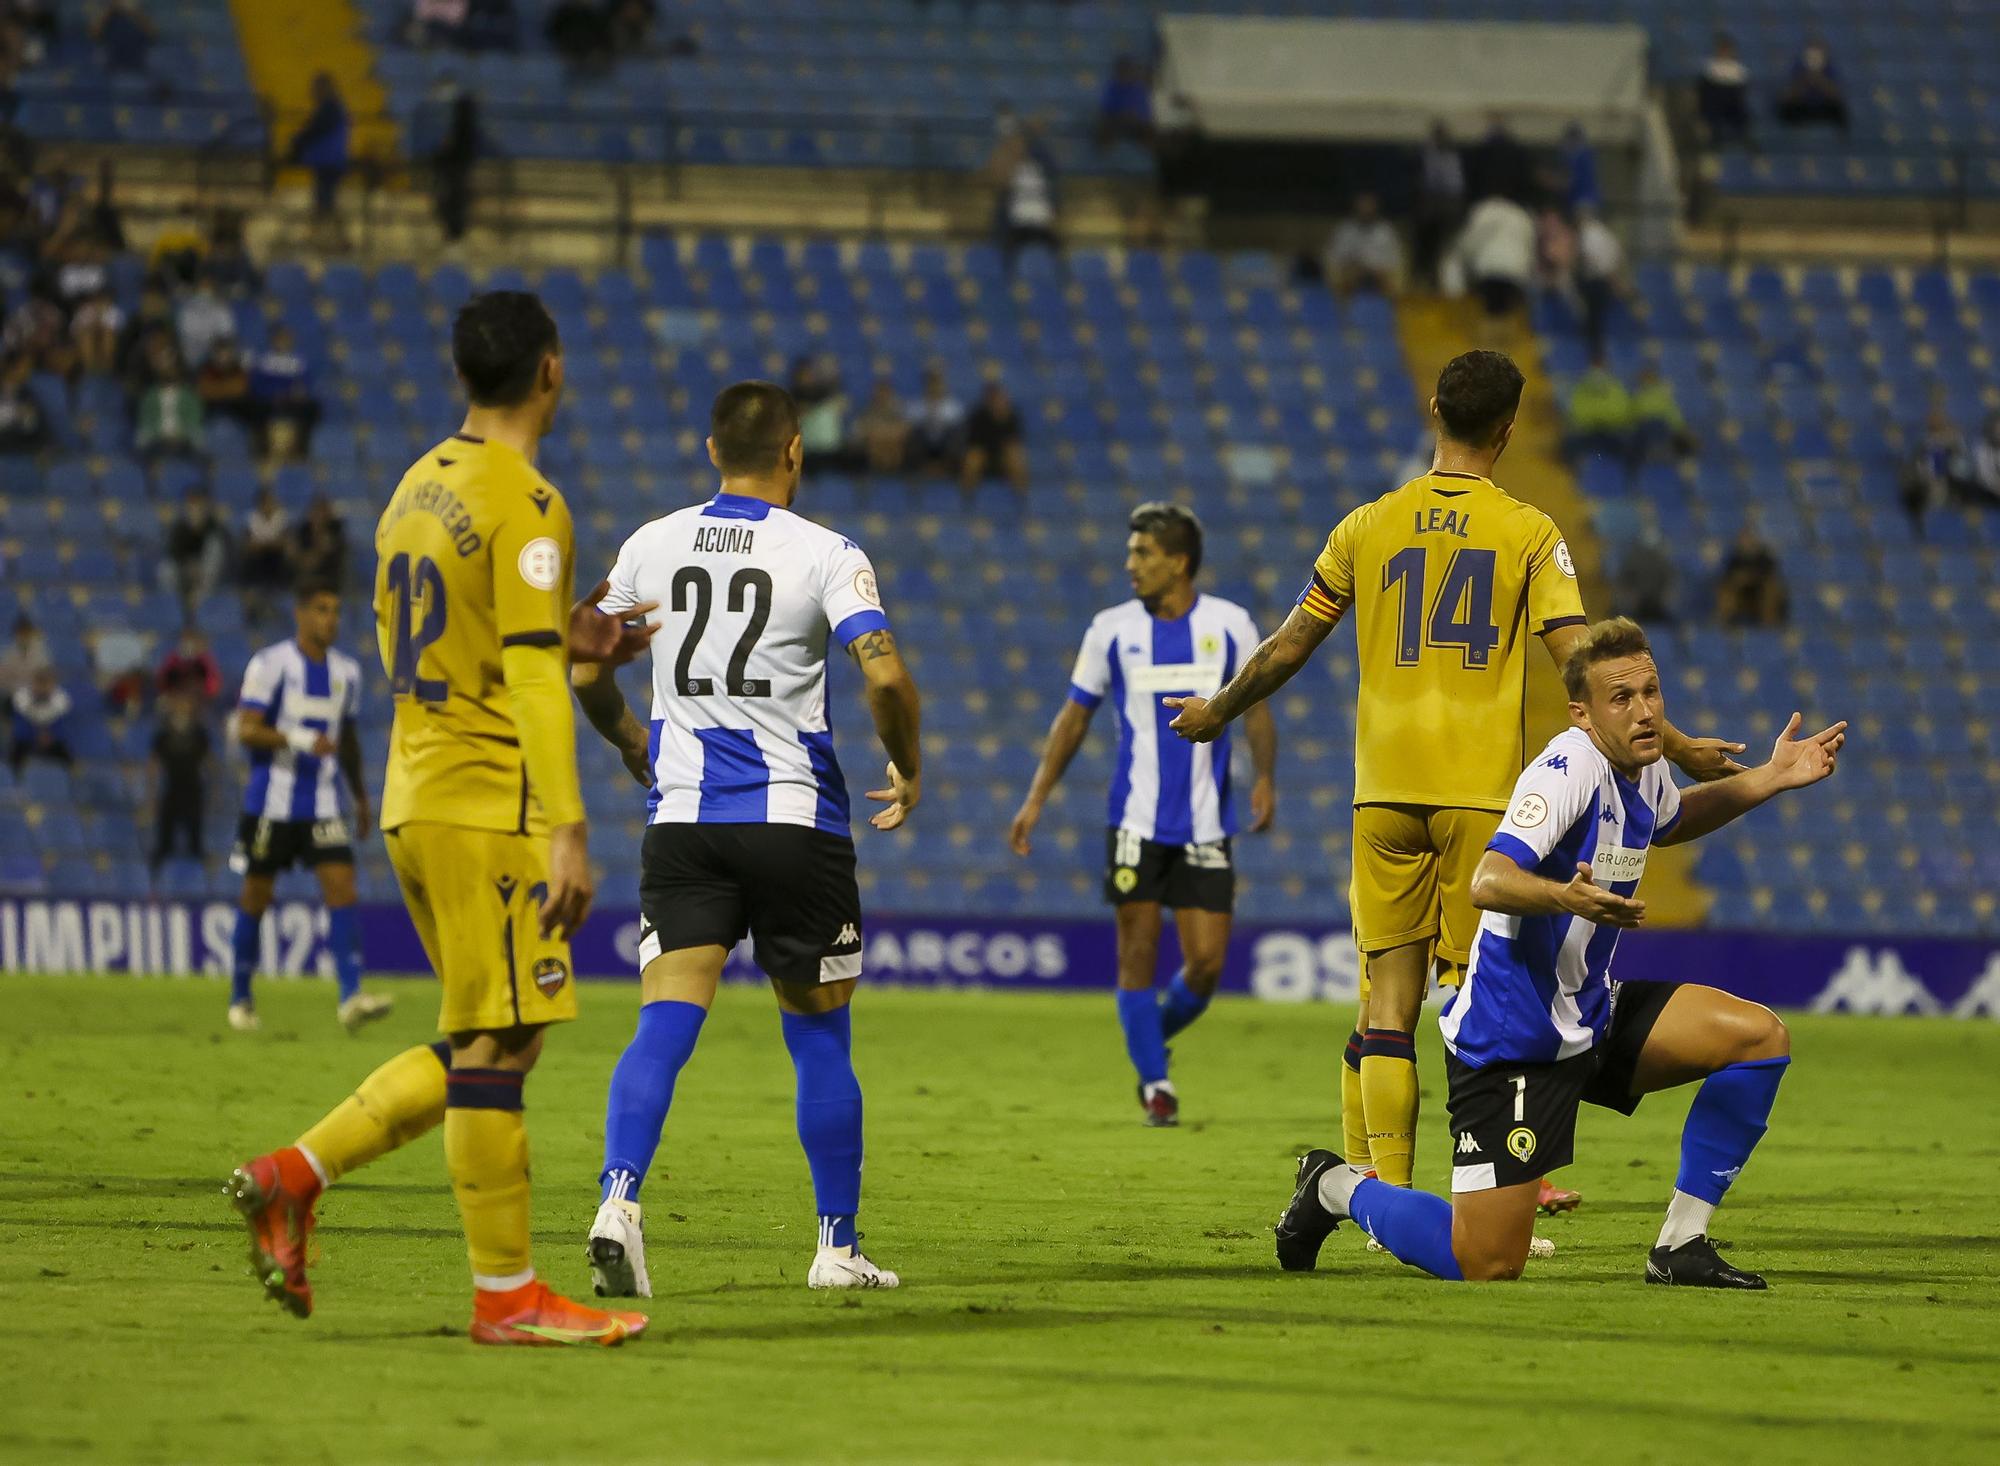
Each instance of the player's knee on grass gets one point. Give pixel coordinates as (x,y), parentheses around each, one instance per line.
(1491,1230)
(1747,1032)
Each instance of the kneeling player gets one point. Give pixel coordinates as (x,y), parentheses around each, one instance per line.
(1539,1026)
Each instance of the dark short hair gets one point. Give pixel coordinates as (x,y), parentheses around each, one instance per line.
(1477,395)
(498,342)
(314,585)
(1603,641)
(750,424)
(1174,529)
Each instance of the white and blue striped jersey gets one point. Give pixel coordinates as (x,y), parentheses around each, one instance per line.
(750,596)
(297,694)
(1538,988)
(1164,788)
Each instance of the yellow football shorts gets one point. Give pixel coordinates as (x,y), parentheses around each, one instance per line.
(475,896)
(1413,868)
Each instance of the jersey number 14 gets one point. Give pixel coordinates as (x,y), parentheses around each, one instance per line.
(1462,615)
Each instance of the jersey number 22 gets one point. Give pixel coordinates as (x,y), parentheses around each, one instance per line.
(415,585)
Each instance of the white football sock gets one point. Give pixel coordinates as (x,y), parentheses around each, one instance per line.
(1336,1187)
(1687,1219)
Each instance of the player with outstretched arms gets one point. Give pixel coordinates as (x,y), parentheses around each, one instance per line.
(1172,817)
(1449,579)
(484,820)
(296,716)
(1540,1026)
(747,830)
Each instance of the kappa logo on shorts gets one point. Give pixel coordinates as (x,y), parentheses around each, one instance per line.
(1467,1145)
(1521,1142)
(850,936)
(550,975)
(1125,879)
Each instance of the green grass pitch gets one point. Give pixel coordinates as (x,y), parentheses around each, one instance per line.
(1078,1288)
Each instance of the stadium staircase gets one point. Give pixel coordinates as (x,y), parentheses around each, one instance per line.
(286,43)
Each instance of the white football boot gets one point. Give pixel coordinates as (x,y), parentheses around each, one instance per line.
(243,1018)
(363,1009)
(845,1267)
(617,1252)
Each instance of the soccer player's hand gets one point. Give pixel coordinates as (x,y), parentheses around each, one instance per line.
(1263,805)
(612,640)
(1025,820)
(638,766)
(1193,722)
(571,886)
(1707,759)
(1585,898)
(1797,762)
(901,797)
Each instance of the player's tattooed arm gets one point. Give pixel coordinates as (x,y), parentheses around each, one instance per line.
(604,705)
(1270,667)
(898,713)
(350,770)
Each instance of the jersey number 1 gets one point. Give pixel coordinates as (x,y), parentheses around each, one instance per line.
(694,590)
(1468,587)
(410,585)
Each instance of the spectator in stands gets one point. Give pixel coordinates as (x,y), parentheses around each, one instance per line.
(170,414)
(226,266)
(1600,272)
(223,384)
(1752,588)
(456,153)
(152,322)
(118,656)
(202,322)
(631,23)
(1580,187)
(995,443)
(24,423)
(1938,467)
(104,221)
(95,328)
(1500,165)
(41,722)
(1026,204)
(319,549)
(1496,254)
(1813,93)
(1599,415)
(281,386)
(321,146)
(38,330)
(1440,201)
(1984,480)
(1659,429)
(78,263)
(1644,589)
(265,566)
(883,430)
(124,36)
(1555,253)
(1125,110)
(26,653)
(439,22)
(822,413)
(1722,95)
(581,34)
(937,427)
(180,759)
(190,668)
(1364,251)
(197,549)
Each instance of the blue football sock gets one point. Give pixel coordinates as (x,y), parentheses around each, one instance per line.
(1145,1038)
(642,1091)
(829,1116)
(1414,1225)
(343,937)
(247,945)
(1180,1007)
(1731,1111)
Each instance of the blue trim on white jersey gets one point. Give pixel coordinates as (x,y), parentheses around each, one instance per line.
(833,812)
(297,694)
(736,506)
(1173,817)
(860,624)
(735,780)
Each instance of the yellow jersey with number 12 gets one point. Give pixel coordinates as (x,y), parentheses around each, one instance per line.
(475,553)
(1448,577)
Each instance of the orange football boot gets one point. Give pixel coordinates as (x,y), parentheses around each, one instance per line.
(275,1195)
(1554,1199)
(534,1314)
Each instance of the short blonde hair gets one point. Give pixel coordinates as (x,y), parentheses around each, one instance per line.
(1603,641)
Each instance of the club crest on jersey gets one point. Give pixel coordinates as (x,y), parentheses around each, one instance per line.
(1210,645)
(550,975)
(1521,1142)
(1125,879)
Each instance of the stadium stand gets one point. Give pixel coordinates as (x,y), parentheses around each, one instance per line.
(1270,406)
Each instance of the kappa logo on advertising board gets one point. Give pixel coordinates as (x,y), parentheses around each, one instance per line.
(1875,984)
